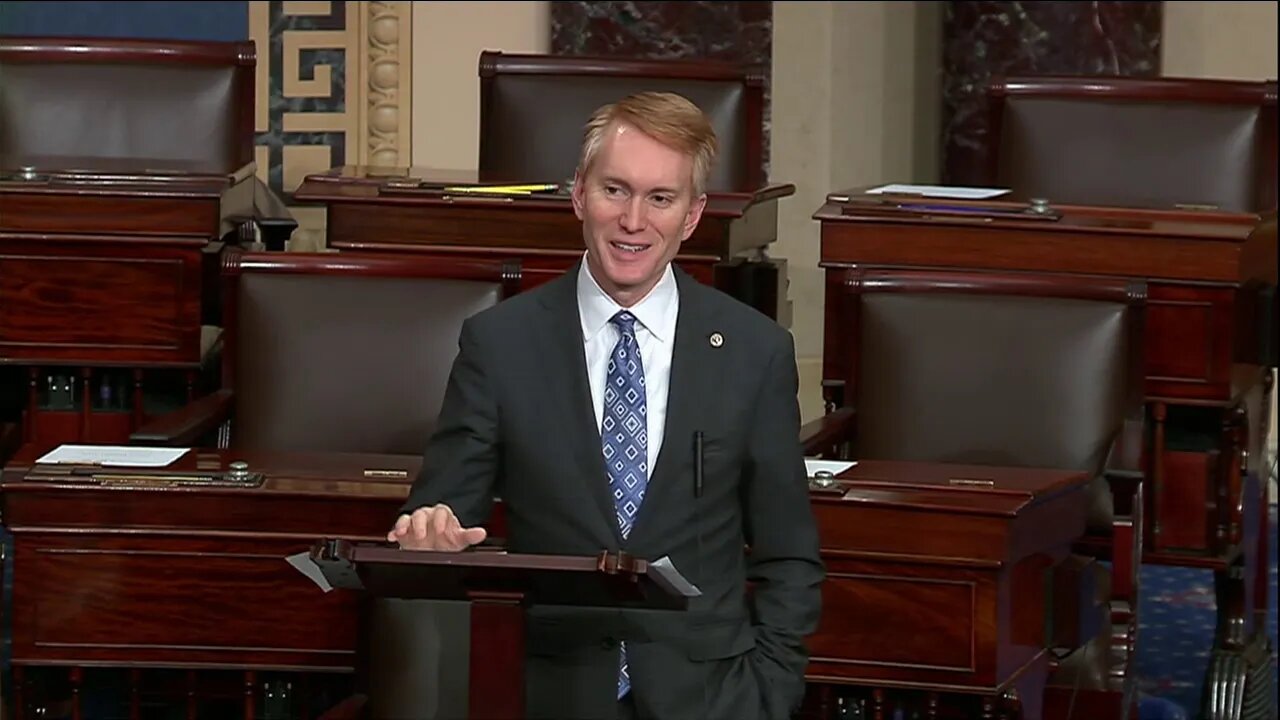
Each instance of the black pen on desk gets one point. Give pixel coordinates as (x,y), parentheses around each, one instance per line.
(697,463)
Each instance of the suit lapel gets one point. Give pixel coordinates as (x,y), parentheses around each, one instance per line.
(566,374)
(694,378)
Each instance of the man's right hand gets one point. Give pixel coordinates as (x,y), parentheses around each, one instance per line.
(434,527)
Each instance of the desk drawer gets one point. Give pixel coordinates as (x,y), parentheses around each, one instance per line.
(93,212)
(108,301)
(229,602)
(1190,340)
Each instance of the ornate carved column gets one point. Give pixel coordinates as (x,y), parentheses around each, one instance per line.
(387,40)
(333,88)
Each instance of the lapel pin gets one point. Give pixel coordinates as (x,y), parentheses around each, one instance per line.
(716,339)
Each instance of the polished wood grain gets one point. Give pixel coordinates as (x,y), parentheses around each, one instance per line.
(902,609)
(95,299)
(237,263)
(1111,244)
(220,549)
(408,210)
(499,586)
(923,572)
(95,212)
(732,223)
(139,198)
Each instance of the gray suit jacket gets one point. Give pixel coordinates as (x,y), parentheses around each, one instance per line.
(517,422)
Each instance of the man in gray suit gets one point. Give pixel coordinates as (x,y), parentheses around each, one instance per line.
(583,403)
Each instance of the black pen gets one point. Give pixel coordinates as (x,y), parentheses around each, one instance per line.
(697,463)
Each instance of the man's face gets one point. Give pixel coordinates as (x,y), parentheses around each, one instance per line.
(637,206)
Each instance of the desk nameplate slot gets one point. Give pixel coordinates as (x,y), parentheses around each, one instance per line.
(148,481)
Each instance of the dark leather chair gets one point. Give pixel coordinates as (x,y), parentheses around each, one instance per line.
(1016,370)
(351,353)
(335,353)
(533,108)
(94,102)
(1161,143)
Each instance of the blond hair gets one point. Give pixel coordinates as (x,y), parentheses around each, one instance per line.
(669,118)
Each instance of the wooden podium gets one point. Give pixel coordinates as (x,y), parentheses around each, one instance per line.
(499,587)
(1209,325)
(376,209)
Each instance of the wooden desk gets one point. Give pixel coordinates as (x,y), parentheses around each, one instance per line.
(105,284)
(138,575)
(220,548)
(407,210)
(936,585)
(926,611)
(1208,320)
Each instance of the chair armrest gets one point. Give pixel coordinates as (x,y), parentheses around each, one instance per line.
(1125,475)
(185,426)
(1123,467)
(825,435)
(272,216)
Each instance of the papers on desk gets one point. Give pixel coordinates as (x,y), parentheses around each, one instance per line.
(953,192)
(835,467)
(112,455)
(303,563)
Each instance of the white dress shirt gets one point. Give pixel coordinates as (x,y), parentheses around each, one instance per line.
(655,330)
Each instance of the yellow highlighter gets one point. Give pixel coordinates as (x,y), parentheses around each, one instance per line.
(503,189)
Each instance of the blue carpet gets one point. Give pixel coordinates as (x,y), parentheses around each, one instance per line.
(1175,636)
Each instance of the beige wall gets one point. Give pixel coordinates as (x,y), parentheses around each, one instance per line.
(1235,40)
(855,101)
(447,40)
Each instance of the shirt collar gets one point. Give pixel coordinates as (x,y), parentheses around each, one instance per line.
(654,311)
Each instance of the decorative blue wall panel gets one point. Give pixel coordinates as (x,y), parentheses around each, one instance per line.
(156,20)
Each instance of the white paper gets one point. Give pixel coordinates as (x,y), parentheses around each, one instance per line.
(954,192)
(835,467)
(113,455)
(668,570)
(303,563)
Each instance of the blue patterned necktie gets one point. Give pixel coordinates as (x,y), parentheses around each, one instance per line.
(625,435)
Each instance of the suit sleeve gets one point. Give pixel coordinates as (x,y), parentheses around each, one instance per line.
(460,463)
(783,565)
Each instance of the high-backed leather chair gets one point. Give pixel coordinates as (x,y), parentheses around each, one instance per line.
(90,104)
(1161,142)
(1010,369)
(533,107)
(351,353)
(336,353)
